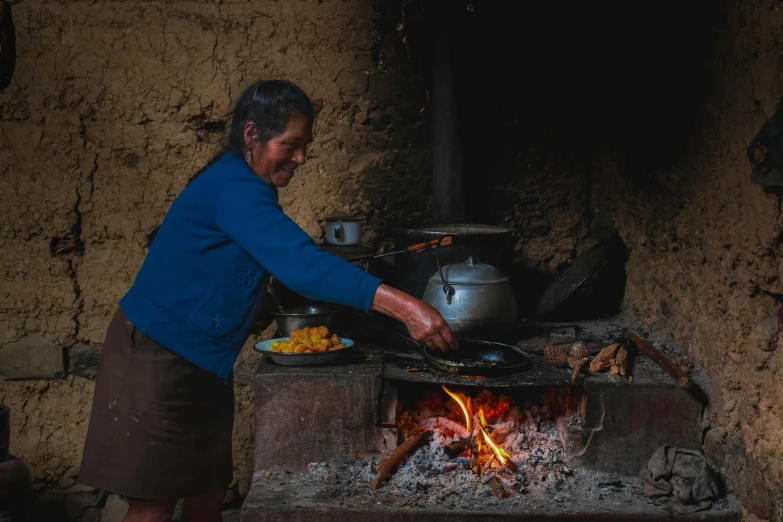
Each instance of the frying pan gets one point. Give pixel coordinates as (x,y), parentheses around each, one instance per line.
(475,358)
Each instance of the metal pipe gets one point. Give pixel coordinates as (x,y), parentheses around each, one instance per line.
(448,192)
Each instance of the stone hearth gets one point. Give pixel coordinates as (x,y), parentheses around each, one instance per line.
(319,429)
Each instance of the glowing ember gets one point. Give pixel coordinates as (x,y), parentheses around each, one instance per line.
(462,405)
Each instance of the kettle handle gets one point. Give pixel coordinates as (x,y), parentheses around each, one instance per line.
(447,288)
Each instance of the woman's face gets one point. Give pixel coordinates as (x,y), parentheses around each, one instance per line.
(276,160)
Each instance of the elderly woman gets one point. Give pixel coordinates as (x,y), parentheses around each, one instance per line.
(162,413)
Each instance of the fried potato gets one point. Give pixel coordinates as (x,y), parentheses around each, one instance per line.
(309,340)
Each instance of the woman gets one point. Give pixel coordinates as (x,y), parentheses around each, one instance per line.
(163,408)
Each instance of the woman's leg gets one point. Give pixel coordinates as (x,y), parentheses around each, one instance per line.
(150,511)
(204,508)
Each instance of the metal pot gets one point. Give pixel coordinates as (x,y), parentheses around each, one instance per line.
(492,244)
(298,317)
(472,296)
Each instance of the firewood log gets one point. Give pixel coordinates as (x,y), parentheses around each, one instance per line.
(620,363)
(677,373)
(388,464)
(475,441)
(604,358)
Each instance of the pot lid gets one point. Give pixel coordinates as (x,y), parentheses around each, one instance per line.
(456,229)
(470,272)
(344,218)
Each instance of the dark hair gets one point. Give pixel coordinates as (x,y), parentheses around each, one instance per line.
(270,104)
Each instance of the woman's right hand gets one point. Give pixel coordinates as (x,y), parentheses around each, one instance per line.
(425,324)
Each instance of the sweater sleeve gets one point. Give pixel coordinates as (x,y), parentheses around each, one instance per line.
(248,212)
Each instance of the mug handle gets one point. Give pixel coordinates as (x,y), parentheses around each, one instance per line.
(338,231)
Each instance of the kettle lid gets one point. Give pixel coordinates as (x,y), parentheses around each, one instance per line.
(470,272)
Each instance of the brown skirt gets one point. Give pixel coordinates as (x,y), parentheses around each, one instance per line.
(160,427)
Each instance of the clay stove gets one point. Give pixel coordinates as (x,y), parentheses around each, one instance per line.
(562,450)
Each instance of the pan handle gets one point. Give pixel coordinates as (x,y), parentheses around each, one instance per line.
(410,339)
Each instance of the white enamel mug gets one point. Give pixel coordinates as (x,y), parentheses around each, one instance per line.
(344,230)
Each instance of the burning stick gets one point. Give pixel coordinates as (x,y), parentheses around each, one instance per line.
(385,467)
(497,452)
(475,448)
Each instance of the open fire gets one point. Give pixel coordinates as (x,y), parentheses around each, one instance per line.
(480,425)
(487,438)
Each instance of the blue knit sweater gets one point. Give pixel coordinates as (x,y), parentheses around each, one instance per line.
(203,280)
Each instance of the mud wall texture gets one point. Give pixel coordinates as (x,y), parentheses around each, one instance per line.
(114,105)
(704,272)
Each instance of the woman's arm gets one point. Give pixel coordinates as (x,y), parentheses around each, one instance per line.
(424,322)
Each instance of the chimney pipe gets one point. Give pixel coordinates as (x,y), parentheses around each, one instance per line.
(448,192)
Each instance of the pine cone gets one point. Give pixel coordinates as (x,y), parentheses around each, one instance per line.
(555,355)
(578,350)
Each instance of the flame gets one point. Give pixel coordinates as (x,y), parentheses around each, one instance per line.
(461,404)
(501,455)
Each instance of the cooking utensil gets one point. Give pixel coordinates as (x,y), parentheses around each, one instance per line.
(571,293)
(475,358)
(492,244)
(291,318)
(343,230)
(478,358)
(302,359)
(418,248)
(472,296)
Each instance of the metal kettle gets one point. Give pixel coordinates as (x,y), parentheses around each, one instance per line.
(472,296)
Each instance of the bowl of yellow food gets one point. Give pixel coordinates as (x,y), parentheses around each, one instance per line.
(305,347)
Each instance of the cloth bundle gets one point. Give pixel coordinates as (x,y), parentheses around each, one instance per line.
(680,478)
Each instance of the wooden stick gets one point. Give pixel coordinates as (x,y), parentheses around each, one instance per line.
(683,381)
(488,463)
(497,488)
(475,440)
(388,464)
(604,359)
(620,363)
